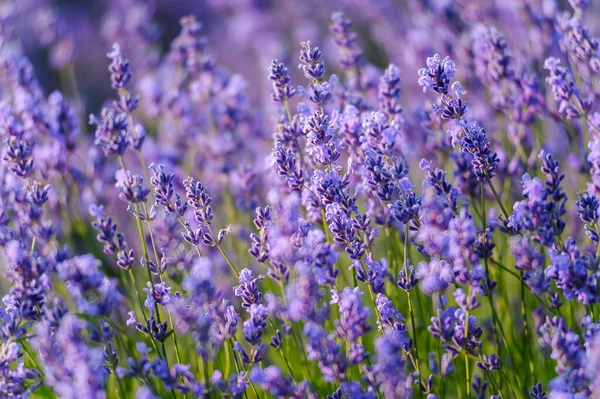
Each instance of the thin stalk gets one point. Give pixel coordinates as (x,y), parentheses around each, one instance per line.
(235,359)
(597,248)
(149,223)
(410,307)
(467,368)
(526,332)
(289,116)
(244,367)
(495,320)
(145,253)
(120,390)
(489,180)
(509,385)
(25,346)
(495,385)
(137,293)
(233,269)
(229,262)
(227,362)
(279,350)
(294,337)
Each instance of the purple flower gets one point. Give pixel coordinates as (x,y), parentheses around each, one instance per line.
(254,327)
(279,75)
(354,316)
(248,289)
(132,190)
(537,392)
(322,145)
(322,347)
(311,64)
(188,48)
(19,156)
(351,58)
(389,365)
(285,159)
(434,276)
(493,63)
(475,142)
(272,380)
(72,367)
(437,75)
(390,316)
(120,73)
(91,290)
(570,103)
(587,208)
(389,92)
(594,159)
(111,132)
(63,122)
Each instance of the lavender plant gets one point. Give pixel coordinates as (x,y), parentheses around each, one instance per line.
(411,212)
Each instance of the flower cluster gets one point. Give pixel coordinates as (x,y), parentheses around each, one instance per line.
(412,212)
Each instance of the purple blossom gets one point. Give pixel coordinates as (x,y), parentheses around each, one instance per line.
(322,347)
(279,75)
(111,132)
(389,91)
(570,103)
(434,276)
(71,366)
(437,75)
(132,190)
(248,289)
(120,73)
(354,315)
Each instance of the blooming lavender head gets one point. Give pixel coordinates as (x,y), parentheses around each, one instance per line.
(188,48)
(310,61)
(132,190)
(354,316)
(71,366)
(434,276)
(280,77)
(111,132)
(63,121)
(389,91)
(570,102)
(120,73)
(248,289)
(493,62)
(476,143)
(19,156)
(322,347)
(437,75)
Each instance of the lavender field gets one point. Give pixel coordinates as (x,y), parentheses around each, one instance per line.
(299,199)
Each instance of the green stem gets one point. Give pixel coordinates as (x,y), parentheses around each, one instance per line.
(410,307)
(229,261)
(145,253)
(495,385)
(244,367)
(149,223)
(294,337)
(290,118)
(489,180)
(120,390)
(25,346)
(526,333)
(137,293)
(467,368)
